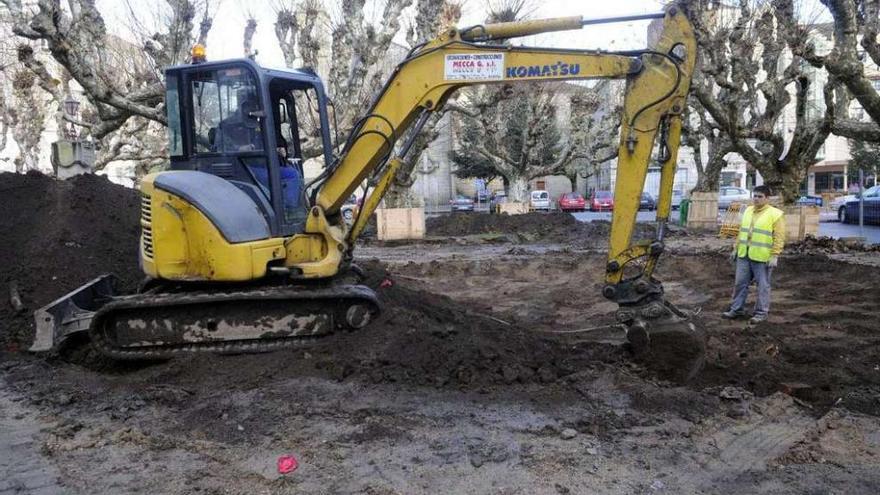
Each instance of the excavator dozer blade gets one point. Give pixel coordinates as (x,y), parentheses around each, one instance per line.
(71,314)
(158,326)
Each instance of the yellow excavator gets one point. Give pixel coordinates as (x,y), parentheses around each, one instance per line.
(242,253)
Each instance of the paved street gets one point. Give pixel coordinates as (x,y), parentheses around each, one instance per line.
(644,216)
(826,228)
(837,230)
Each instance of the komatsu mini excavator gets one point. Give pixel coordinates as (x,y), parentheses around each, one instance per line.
(243,254)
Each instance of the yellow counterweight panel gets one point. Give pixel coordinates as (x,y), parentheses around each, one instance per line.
(178,242)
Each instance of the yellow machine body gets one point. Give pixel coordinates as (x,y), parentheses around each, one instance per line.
(179,242)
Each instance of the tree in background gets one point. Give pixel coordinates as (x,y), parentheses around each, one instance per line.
(864,157)
(514,130)
(469,164)
(355,56)
(752,76)
(594,127)
(856,29)
(699,132)
(123,83)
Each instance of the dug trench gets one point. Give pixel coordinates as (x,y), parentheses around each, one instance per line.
(483,374)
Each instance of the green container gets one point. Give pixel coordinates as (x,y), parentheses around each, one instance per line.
(683,212)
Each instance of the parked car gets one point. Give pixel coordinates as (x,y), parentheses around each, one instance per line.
(498,198)
(838,203)
(729,195)
(850,212)
(350,209)
(572,201)
(601,201)
(677,197)
(647,202)
(462,203)
(482,196)
(540,200)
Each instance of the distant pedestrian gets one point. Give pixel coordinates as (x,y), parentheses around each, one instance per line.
(758,246)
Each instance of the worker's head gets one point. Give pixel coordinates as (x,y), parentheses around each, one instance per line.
(761,196)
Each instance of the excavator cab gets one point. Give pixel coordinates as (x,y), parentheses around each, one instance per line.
(239,122)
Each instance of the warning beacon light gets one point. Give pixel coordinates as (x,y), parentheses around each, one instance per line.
(198,53)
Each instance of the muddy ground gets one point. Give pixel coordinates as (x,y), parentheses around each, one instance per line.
(491,370)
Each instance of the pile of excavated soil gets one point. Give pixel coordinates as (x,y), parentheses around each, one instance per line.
(57,235)
(529,227)
(828,245)
(429,339)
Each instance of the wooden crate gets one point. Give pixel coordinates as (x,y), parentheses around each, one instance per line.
(513,208)
(400,223)
(800,221)
(703,211)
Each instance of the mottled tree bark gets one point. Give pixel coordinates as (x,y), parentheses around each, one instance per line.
(27,120)
(250,29)
(697,128)
(77,40)
(431,17)
(751,63)
(856,27)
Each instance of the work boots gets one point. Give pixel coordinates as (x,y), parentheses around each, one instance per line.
(732,315)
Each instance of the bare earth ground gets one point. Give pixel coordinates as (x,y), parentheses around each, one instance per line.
(482,377)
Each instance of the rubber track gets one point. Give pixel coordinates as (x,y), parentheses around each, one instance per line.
(106,346)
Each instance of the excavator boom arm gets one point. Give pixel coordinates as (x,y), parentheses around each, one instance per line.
(658,80)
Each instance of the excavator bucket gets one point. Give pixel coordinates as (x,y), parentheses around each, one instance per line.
(71,314)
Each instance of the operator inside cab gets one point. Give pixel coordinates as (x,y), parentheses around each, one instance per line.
(240,131)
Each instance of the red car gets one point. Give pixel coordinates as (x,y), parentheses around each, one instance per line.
(572,202)
(601,201)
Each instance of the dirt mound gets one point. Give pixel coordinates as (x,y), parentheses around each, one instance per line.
(529,227)
(828,245)
(427,339)
(57,235)
(444,342)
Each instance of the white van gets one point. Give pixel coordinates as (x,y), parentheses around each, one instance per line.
(540,200)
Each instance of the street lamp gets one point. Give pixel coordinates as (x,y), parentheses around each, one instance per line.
(71,108)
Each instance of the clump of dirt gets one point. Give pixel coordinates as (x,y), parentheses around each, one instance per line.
(530,227)
(828,245)
(55,236)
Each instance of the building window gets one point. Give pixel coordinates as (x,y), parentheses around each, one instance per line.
(829,181)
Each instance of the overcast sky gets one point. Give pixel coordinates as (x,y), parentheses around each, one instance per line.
(225,40)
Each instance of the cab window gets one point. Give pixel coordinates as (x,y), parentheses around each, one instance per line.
(226,111)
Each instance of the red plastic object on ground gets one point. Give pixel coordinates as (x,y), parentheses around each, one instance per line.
(287,464)
(386,283)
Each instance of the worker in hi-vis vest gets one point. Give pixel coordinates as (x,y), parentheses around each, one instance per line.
(758,246)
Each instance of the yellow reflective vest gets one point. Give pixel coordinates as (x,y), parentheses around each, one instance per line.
(756,239)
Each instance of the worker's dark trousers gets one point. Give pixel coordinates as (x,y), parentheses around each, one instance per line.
(746,271)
